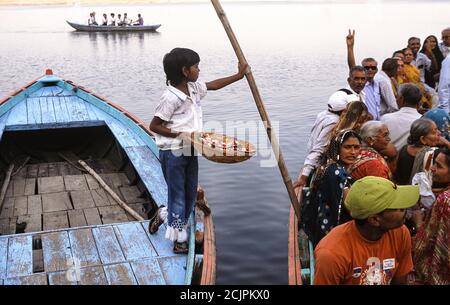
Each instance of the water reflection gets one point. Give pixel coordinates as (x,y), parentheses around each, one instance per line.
(107,39)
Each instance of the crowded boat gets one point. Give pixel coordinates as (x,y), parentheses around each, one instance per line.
(112,20)
(375,183)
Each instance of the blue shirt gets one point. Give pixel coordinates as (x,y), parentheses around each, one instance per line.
(373,98)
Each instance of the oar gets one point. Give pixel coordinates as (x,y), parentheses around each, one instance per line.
(262,111)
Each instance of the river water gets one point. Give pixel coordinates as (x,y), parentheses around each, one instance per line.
(296,50)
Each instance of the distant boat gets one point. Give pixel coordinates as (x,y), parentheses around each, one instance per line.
(62,225)
(112,28)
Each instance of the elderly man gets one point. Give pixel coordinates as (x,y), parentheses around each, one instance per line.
(400,122)
(444,46)
(327,119)
(375,247)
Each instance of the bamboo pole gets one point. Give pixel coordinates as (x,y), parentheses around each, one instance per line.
(5,184)
(260,105)
(110,191)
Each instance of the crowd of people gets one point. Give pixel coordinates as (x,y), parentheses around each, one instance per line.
(116,21)
(376,178)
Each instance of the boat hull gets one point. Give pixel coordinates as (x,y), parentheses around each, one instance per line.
(108,28)
(51,114)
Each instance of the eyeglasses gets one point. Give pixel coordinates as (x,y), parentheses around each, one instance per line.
(373,68)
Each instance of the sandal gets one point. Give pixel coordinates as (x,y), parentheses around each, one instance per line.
(155,222)
(180,248)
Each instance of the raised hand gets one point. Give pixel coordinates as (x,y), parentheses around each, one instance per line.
(350,38)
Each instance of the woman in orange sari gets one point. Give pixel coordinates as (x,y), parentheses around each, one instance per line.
(412,75)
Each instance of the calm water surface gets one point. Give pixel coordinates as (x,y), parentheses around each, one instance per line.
(297,55)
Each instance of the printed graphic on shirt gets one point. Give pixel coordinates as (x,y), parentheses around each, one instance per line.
(376,273)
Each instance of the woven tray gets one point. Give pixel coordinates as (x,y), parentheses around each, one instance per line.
(222,149)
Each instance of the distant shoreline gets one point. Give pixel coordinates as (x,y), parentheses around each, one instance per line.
(72,2)
(87,2)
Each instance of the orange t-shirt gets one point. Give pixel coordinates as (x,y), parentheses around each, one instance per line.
(345,257)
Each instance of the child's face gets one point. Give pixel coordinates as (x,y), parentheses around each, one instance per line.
(192,73)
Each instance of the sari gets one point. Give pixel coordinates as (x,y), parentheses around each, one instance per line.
(412,75)
(430,245)
(370,163)
(322,207)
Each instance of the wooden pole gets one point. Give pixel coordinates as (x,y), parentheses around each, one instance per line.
(110,191)
(260,105)
(5,184)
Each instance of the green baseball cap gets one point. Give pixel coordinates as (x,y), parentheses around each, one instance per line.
(372,195)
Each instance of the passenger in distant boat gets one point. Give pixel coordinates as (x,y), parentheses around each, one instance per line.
(326,120)
(322,204)
(399,122)
(375,247)
(105,19)
(431,242)
(91,20)
(444,46)
(177,115)
(375,140)
(113,19)
(119,21)
(432,76)
(412,75)
(126,20)
(372,88)
(139,21)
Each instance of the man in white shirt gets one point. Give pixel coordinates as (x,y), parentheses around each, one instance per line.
(126,20)
(113,19)
(444,46)
(383,77)
(399,123)
(444,85)
(326,120)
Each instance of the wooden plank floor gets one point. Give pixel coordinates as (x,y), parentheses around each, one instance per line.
(54,105)
(95,255)
(51,196)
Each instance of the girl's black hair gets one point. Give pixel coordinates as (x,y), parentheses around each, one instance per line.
(175,60)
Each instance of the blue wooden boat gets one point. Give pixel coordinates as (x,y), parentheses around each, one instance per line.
(57,223)
(111,28)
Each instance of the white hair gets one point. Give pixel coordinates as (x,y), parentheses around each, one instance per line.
(370,129)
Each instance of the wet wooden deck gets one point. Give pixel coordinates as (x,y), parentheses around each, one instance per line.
(94,255)
(51,196)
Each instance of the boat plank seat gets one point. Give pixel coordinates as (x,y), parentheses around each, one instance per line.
(106,254)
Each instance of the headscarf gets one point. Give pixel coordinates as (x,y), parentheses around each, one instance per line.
(442,120)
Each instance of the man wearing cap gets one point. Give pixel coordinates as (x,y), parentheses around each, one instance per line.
(375,247)
(327,119)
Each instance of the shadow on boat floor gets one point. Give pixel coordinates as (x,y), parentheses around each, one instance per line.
(56,195)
